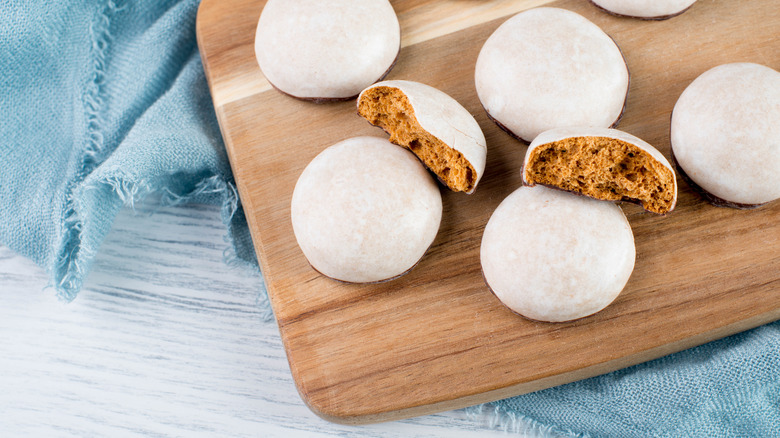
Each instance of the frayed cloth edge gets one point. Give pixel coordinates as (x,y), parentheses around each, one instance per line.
(73,258)
(500,418)
(67,261)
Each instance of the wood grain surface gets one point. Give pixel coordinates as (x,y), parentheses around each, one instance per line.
(436,338)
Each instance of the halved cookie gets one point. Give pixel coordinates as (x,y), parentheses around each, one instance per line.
(602,163)
(433,125)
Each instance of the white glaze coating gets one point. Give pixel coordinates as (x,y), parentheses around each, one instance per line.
(558,134)
(553,256)
(549,67)
(365,210)
(446,119)
(645,8)
(725,132)
(316,49)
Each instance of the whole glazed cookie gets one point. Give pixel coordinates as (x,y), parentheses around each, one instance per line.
(725,134)
(553,256)
(547,67)
(326,50)
(602,163)
(645,9)
(365,210)
(433,125)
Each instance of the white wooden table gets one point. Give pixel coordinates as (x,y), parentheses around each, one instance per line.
(165,339)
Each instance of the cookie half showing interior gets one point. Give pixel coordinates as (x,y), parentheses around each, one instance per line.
(365,210)
(548,67)
(552,256)
(433,125)
(725,134)
(645,9)
(602,163)
(324,51)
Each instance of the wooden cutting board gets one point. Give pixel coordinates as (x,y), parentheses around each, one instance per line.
(437,339)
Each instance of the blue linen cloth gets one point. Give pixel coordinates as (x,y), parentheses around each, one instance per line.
(104,102)
(726,388)
(101,104)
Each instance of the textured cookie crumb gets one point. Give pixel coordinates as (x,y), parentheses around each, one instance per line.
(390,109)
(603,168)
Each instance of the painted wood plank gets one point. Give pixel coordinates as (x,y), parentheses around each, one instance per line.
(164,340)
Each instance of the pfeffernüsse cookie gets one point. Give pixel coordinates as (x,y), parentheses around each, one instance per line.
(326,50)
(365,210)
(602,163)
(546,68)
(725,134)
(645,9)
(550,255)
(433,125)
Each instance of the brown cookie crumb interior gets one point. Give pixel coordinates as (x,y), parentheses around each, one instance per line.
(603,168)
(390,109)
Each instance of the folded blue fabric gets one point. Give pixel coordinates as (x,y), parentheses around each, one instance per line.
(726,388)
(104,102)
